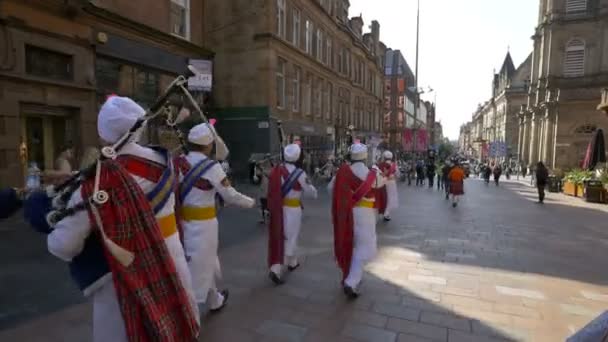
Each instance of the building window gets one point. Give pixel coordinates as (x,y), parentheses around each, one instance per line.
(329,58)
(340,60)
(576,6)
(49,64)
(180,18)
(281,28)
(297,76)
(329,100)
(307,94)
(319,45)
(281,83)
(295,39)
(309,34)
(574,58)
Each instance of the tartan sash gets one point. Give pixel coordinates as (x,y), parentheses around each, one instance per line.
(193,176)
(290,180)
(162,175)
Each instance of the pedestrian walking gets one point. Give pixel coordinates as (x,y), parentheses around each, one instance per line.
(285,187)
(445,172)
(497,173)
(419,173)
(262,173)
(430,173)
(542,176)
(456,177)
(354,217)
(487,173)
(201,178)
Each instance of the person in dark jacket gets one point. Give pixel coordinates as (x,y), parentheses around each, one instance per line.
(445,171)
(430,173)
(542,175)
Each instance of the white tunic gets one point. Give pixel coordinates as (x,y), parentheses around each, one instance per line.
(391,192)
(201,237)
(66,241)
(292,216)
(364,225)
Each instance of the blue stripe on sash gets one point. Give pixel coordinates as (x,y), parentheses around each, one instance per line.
(160,194)
(194,175)
(291,181)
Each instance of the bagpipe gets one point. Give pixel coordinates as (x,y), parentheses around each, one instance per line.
(174,106)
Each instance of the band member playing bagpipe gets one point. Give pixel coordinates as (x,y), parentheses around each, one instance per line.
(286,184)
(389,198)
(120,237)
(201,178)
(354,216)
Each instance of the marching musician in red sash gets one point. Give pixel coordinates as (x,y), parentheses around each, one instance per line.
(286,184)
(201,179)
(354,216)
(390,171)
(139,282)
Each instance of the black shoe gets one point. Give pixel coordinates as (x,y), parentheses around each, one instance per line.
(225,294)
(293,268)
(454,205)
(387,218)
(275,278)
(350,292)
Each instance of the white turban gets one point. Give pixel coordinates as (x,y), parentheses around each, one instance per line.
(292,153)
(116,117)
(388,155)
(201,134)
(358,152)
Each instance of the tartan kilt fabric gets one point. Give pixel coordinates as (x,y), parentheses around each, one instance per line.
(456,188)
(153,303)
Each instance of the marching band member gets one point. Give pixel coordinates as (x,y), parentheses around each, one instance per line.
(354,216)
(286,183)
(201,178)
(124,252)
(390,171)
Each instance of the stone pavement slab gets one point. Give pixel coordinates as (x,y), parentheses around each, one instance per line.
(497,268)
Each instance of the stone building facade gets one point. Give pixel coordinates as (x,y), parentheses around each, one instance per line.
(60,59)
(303,62)
(496,120)
(569,69)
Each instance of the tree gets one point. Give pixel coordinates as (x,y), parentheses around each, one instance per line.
(445,150)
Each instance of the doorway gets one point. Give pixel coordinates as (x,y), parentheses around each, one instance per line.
(45,133)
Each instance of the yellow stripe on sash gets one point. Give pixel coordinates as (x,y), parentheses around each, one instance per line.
(198,213)
(168,225)
(292,203)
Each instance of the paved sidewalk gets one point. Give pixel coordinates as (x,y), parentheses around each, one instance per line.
(496,268)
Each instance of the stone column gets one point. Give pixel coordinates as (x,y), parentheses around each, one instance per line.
(534,140)
(525,144)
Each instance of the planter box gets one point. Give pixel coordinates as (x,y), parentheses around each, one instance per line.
(580,190)
(570,189)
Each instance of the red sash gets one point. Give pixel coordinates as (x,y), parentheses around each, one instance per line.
(388,169)
(276,233)
(142,167)
(184,167)
(348,190)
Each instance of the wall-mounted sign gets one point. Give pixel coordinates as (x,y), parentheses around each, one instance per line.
(263,124)
(203,75)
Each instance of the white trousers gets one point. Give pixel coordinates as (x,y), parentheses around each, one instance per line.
(292,222)
(108,324)
(365,244)
(201,240)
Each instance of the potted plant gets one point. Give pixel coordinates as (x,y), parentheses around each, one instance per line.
(574,182)
(569,183)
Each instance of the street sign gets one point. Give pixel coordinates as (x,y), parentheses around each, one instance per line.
(203,75)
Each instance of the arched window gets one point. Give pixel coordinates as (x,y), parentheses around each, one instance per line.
(574,58)
(585,129)
(576,6)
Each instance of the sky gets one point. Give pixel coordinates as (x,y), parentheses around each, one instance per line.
(461,43)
